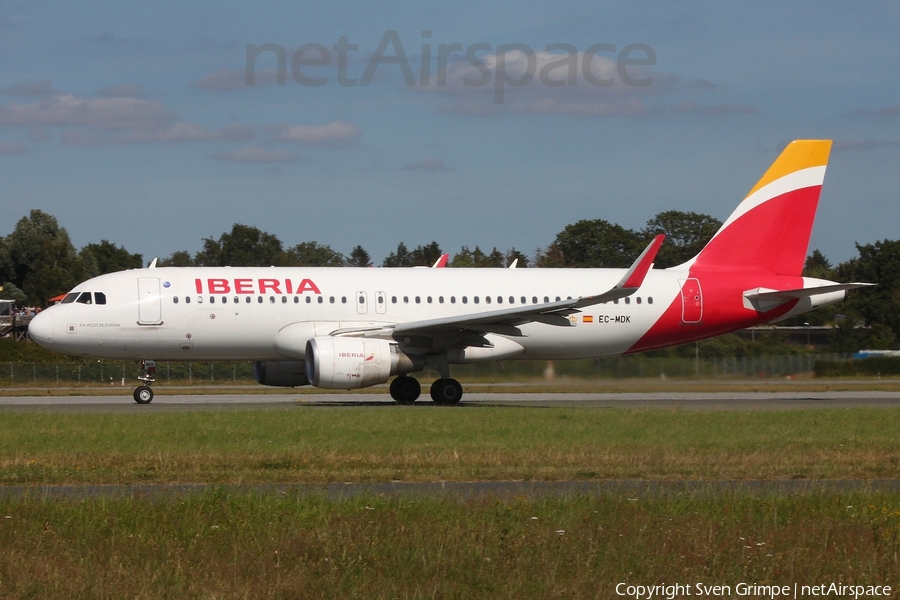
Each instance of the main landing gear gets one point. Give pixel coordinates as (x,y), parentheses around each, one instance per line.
(143,394)
(445,391)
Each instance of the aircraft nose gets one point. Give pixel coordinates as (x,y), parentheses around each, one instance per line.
(41,328)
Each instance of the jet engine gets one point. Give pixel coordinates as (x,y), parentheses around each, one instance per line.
(349,363)
(284,373)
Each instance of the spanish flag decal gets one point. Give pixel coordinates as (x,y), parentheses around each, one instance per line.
(588,319)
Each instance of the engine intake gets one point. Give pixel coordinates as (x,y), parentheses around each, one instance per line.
(350,363)
(286,373)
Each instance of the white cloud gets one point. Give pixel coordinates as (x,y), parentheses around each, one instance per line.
(127,90)
(335,133)
(184,131)
(98,113)
(257,155)
(544,82)
(42,87)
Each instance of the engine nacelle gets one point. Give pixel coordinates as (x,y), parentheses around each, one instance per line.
(348,363)
(285,373)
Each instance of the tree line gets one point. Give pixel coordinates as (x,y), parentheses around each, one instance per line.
(38,262)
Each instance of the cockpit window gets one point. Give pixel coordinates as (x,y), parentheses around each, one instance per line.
(70,297)
(99,298)
(84,298)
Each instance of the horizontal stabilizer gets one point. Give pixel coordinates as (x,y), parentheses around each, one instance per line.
(760,294)
(764,299)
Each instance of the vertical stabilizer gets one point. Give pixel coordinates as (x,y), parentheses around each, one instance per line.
(770,229)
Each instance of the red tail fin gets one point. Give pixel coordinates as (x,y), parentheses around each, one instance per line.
(770,229)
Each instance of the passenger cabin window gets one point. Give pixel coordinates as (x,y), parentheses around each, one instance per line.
(174,299)
(187,299)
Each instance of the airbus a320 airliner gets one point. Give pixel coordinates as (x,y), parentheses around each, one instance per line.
(350,328)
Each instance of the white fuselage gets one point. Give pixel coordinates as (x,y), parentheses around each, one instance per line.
(224,313)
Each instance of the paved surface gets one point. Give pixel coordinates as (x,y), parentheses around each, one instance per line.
(633,489)
(666,400)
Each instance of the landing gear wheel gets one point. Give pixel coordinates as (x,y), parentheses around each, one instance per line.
(405,389)
(143,394)
(446,392)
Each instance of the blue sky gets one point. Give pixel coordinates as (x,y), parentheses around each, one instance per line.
(132,122)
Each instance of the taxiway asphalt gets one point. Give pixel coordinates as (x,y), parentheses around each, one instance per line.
(798,399)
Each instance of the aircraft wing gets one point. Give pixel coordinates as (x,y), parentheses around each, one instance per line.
(506,321)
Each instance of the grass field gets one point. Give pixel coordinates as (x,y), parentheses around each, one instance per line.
(386,443)
(228,543)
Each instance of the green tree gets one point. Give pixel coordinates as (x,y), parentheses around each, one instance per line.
(425,256)
(550,257)
(878,306)
(179,258)
(110,258)
(44,261)
(359,258)
(7,269)
(466,258)
(243,246)
(311,254)
(400,258)
(818,266)
(686,235)
(512,254)
(9,291)
(599,243)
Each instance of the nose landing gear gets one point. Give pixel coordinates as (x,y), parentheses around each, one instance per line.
(143,394)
